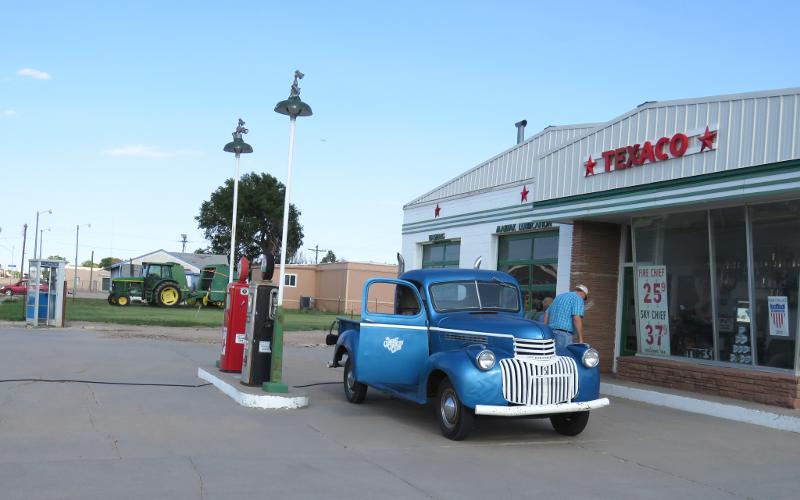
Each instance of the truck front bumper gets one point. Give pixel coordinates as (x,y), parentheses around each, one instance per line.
(519,411)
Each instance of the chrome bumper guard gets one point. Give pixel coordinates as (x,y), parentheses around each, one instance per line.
(518,411)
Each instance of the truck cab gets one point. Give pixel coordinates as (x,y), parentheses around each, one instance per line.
(460,337)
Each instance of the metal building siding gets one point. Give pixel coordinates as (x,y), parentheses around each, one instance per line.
(514,165)
(752,130)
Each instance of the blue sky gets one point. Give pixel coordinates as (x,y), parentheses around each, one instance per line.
(115,113)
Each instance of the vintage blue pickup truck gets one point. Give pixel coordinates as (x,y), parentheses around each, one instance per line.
(460,336)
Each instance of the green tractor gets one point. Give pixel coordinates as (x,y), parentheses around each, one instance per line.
(212,286)
(161,284)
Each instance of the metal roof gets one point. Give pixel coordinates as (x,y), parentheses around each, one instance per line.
(509,166)
(768,120)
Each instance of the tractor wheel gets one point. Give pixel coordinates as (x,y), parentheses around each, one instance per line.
(167,295)
(123,300)
(191,302)
(111,299)
(205,300)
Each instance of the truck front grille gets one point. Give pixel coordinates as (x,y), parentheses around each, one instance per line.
(527,383)
(534,349)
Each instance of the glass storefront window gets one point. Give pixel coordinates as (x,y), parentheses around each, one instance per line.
(515,249)
(776,265)
(678,244)
(532,258)
(443,254)
(731,279)
(545,248)
(729,237)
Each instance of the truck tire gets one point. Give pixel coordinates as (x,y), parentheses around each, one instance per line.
(354,391)
(570,424)
(9,293)
(455,419)
(167,295)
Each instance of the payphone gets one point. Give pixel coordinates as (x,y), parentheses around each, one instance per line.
(44,300)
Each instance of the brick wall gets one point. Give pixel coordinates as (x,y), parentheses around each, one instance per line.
(761,387)
(595,263)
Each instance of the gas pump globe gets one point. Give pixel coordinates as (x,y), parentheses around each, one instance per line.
(44,301)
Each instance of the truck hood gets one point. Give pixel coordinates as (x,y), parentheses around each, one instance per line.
(485,322)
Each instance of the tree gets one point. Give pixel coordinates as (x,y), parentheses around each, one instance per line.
(109,261)
(329,257)
(260,218)
(89,263)
(57,257)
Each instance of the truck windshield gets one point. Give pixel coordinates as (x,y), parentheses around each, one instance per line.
(474,295)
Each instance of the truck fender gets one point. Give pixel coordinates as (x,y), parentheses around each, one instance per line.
(473,386)
(588,378)
(345,345)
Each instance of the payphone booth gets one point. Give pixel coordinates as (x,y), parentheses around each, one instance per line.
(44,300)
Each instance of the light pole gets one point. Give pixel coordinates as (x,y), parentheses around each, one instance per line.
(36,231)
(41,240)
(75,278)
(291,107)
(238,146)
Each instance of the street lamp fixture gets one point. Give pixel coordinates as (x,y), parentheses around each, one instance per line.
(237,147)
(41,240)
(292,107)
(36,231)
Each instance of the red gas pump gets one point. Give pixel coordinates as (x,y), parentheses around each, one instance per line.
(233,333)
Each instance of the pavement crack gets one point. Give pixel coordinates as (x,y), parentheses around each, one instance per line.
(366,459)
(114,443)
(661,471)
(199,477)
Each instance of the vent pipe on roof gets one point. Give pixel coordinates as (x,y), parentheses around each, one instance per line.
(521,130)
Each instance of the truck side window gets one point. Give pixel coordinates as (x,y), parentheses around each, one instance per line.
(390,298)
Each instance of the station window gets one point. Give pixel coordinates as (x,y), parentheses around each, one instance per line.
(531,258)
(727,282)
(443,254)
(290,280)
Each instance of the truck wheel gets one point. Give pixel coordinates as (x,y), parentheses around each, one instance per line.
(123,300)
(455,419)
(570,424)
(354,391)
(167,295)
(9,293)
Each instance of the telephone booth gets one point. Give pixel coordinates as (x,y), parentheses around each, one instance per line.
(44,301)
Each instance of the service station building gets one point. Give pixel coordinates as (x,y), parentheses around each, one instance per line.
(682,218)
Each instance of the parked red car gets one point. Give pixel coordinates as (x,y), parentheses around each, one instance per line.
(20,288)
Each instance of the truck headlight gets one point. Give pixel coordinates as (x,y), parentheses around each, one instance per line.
(591,358)
(485,360)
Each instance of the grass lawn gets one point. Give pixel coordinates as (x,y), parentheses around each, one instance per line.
(100,311)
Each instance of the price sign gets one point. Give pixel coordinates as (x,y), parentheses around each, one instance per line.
(653,306)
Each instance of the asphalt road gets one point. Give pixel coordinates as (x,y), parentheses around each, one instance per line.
(78,440)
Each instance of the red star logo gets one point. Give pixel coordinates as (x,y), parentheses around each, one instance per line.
(589,167)
(707,140)
(524,194)
(436,211)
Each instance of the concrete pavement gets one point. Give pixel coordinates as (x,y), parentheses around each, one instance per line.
(77,440)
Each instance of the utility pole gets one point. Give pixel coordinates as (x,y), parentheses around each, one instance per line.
(183,240)
(24,240)
(316,251)
(91,268)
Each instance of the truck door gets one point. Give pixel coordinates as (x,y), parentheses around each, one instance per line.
(393,339)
